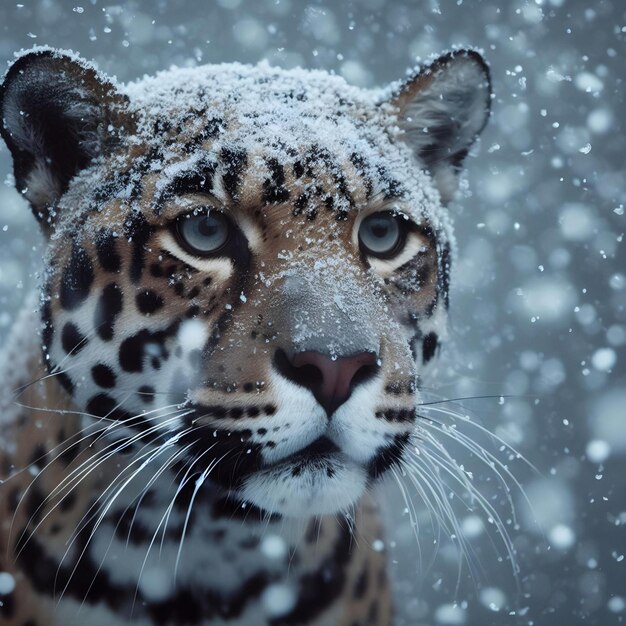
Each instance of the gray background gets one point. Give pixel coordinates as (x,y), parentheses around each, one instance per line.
(539,300)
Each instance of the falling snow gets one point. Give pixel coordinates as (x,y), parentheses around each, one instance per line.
(538,306)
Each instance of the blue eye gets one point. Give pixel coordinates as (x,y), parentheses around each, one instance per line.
(204,234)
(381,235)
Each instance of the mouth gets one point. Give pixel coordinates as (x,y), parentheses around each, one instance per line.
(318,450)
(319,479)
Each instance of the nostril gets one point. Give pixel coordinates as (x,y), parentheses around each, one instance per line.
(330,380)
(307,375)
(364,374)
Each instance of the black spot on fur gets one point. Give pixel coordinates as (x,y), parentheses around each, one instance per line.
(130,529)
(429,346)
(393,388)
(444,274)
(360,586)
(39,456)
(138,231)
(7,605)
(391,186)
(72,340)
(47,332)
(235,160)
(111,185)
(298,169)
(103,405)
(199,179)
(156,270)
(103,376)
(108,308)
(213,411)
(396,415)
(146,393)
(68,502)
(70,452)
(66,382)
(133,349)
(274,189)
(359,165)
(213,127)
(34,507)
(76,279)
(194,292)
(148,301)
(185,607)
(106,249)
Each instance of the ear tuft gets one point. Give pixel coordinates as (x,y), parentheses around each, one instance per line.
(442,110)
(57,113)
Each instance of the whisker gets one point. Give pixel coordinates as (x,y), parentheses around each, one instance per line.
(105,508)
(77,476)
(158,473)
(430,456)
(197,486)
(443,510)
(166,515)
(139,499)
(488,397)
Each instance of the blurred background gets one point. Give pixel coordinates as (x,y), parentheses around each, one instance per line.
(539,291)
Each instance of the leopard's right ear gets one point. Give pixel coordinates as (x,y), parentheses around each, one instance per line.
(57,114)
(442,109)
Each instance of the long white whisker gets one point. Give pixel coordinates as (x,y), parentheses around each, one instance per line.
(159,472)
(111,500)
(197,486)
(80,473)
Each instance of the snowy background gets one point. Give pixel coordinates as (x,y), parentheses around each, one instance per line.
(539,300)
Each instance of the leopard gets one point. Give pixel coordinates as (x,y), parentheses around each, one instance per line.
(245,278)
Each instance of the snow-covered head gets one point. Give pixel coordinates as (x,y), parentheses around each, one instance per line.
(248,263)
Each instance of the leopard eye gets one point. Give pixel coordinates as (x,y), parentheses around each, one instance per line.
(381,235)
(204,234)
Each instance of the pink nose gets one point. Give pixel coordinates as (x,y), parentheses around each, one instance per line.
(331,380)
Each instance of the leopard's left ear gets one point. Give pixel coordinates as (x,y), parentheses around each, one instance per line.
(442,110)
(57,113)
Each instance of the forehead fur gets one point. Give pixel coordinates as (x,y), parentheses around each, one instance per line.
(256,118)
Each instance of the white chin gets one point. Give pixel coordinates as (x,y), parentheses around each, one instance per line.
(322,486)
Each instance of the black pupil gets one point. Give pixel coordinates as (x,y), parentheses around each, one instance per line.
(209,226)
(380,228)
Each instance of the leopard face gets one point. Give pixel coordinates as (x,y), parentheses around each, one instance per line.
(247,267)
